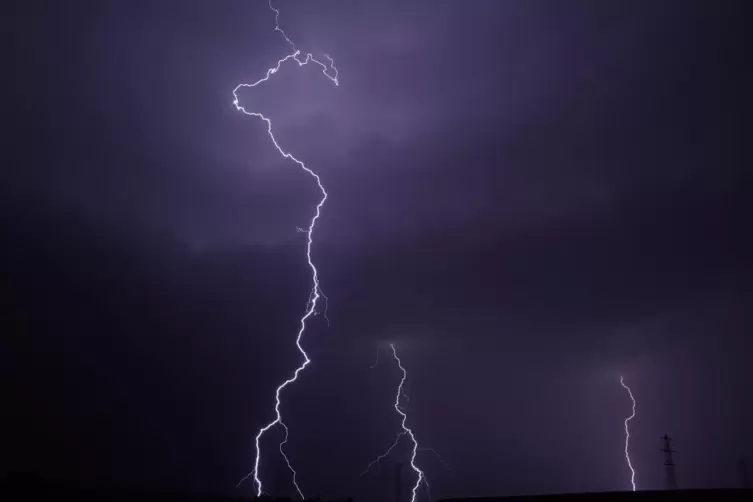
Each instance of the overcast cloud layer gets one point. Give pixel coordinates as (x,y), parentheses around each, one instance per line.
(529,198)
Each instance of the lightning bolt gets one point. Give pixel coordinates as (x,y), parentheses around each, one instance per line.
(627,433)
(420,477)
(331,73)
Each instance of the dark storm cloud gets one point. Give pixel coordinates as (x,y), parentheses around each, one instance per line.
(537,97)
(528,197)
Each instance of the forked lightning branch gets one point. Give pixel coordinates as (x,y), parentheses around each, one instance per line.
(329,71)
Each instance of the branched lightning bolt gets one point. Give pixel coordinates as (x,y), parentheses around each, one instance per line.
(627,434)
(419,473)
(420,477)
(316,292)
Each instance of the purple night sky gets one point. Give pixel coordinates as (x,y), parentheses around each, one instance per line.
(529,198)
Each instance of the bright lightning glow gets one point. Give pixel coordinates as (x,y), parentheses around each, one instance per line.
(316,292)
(421,478)
(627,434)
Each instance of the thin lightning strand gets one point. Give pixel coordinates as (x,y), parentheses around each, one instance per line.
(445,464)
(315,291)
(376,361)
(419,473)
(421,478)
(627,434)
(397,439)
(439,457)
(383,455)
